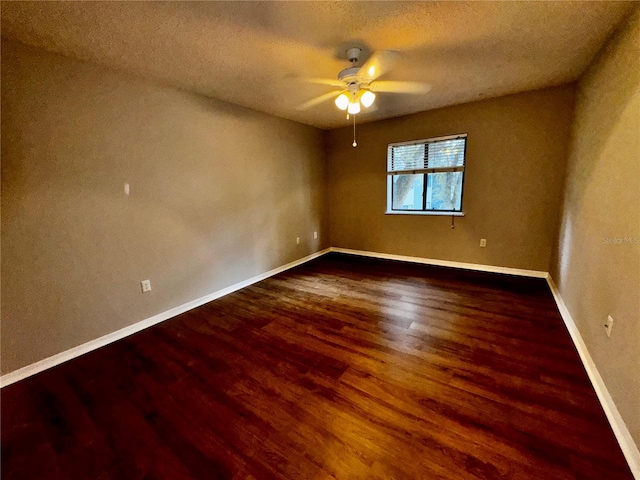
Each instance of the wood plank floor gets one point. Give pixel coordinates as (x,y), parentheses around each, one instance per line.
(342,368)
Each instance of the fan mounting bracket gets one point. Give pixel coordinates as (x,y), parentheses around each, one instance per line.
(353,54)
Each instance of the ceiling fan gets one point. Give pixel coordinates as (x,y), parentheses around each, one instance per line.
(358,85)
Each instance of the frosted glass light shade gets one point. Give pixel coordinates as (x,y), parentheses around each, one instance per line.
(354,107)
(342,101)
(367,98)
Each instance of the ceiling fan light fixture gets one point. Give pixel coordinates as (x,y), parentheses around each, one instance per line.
(354,107)
(342,101)
(367,98)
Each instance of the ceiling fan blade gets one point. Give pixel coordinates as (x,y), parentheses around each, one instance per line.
(392,86)
(332,82)
(318,100)
(378,64)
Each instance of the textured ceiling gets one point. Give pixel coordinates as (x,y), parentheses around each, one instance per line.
(246,52)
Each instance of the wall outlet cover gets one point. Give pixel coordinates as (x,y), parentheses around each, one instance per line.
(609,325)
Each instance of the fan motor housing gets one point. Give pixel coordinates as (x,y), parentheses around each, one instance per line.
(348,74)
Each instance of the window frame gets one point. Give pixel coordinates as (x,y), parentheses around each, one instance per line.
(425,172)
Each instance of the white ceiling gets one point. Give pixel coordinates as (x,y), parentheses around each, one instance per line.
(245,52)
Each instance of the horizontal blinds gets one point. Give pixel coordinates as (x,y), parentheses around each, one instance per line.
(435,155)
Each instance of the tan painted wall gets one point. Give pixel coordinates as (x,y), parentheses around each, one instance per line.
(218,195)
(516,158)
(602,199)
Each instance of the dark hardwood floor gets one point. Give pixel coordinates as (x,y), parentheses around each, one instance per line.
(343,368)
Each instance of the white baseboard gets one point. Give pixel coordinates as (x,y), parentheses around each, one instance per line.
(628,446)
(625,440)
(444,263)
(74,352)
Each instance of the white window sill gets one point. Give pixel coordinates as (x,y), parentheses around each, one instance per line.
(437,214)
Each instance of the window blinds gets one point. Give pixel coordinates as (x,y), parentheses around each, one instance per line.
(438,155)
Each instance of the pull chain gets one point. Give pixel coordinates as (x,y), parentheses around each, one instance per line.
(355,144)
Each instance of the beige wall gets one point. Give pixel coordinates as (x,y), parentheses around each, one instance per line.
(218,195)
(516,157)
(602,199)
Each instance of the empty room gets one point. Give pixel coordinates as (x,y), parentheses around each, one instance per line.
(320,240)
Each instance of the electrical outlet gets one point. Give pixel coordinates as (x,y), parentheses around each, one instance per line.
(315,234)
(146,286)
(483,242)
(297,240)
(609,326)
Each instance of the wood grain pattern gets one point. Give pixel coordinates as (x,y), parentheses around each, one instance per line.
(343,368)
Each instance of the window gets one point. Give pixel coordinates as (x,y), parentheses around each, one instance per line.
(426,176)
